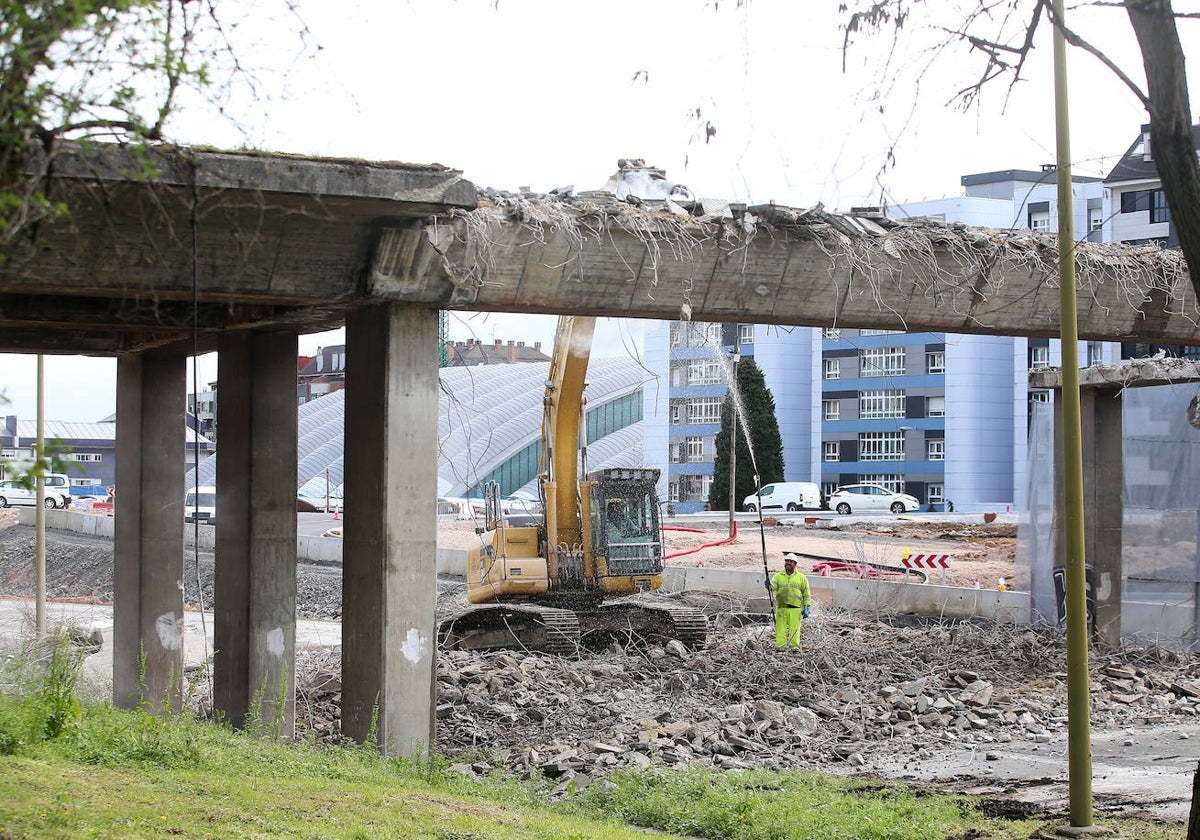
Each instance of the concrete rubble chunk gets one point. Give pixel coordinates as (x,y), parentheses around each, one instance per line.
(978,693)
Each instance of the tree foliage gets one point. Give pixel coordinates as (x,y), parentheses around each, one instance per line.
(1001,34)
(757,422)
(96,70)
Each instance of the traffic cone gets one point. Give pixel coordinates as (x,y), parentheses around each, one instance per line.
(335,513)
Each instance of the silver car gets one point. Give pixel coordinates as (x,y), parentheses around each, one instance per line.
(864,498)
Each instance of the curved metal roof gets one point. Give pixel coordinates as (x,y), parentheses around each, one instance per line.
(486,415)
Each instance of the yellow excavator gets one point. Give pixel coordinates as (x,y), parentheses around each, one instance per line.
(548,582)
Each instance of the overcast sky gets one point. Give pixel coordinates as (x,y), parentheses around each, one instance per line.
(542,94)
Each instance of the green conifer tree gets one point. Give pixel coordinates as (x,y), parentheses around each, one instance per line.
(762,426)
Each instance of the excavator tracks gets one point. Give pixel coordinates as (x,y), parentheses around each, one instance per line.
(639,620)
(563,632)
(513,627)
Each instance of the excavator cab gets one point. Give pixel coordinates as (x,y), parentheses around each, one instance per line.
(626,540)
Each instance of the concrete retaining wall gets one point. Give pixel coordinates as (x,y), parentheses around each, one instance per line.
(880,596)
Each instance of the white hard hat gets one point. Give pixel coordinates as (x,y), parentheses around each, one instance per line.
(790,558)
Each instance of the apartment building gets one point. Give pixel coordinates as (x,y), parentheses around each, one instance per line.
(1138,215)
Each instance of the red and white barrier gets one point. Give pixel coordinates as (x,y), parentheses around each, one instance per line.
(926,561)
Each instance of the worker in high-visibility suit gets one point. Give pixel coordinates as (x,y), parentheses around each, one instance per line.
(792,600)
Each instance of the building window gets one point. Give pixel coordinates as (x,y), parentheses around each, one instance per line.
(873,405)
(1135,201)
(1095,220)
(1039,357)
(745,333)
(695,449)
(704,410)
(832,333)
(85,457)
(831,409)
(833,369)
(878,332)
(676,453)
(692,488)
(1158,207)
(695,334)
(889,480)
(1039,221)
(673,491)
(935,406)
(1095,353)
(881,361)
(676,413)
(704,372)
(881,446)
(936,495)
(1039,396)
(935,450)
(828,488)
(833,450)
(85,482)
(935,362)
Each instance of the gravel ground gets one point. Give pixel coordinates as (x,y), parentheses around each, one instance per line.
(960,705)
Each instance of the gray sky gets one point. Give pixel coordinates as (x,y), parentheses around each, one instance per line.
(544,94)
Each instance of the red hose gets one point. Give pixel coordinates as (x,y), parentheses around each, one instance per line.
(725,541)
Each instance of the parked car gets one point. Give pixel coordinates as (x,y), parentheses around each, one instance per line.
(864,498)
(785,495)
(58,493)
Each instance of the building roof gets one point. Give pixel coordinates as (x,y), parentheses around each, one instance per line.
(1133,165)
(486,415)
(1045,176)
(103,434)
(471,352)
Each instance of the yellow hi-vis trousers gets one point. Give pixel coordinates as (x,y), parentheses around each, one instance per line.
(787,627)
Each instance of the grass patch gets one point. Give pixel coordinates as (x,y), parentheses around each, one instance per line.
(74,770)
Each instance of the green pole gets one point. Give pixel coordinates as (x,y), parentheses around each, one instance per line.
(39,520)
(1079,747)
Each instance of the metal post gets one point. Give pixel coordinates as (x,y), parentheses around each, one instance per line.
(733,444)
(904,430)
(39,521)
(1079,748)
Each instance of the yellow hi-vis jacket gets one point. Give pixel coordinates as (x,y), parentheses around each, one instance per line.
(791,590)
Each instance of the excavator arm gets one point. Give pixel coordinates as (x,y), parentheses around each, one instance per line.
(562,419)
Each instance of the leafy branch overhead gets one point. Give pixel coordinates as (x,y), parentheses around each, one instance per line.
(103,70)
(1003,33)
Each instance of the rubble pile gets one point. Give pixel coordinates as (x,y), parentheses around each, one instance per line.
(866,688)
(862,687)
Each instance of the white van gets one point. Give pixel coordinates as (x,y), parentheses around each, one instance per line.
(786,495)
(202,508)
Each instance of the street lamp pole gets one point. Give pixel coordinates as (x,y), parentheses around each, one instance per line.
(733,443)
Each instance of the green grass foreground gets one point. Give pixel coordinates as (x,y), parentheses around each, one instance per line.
(72,770)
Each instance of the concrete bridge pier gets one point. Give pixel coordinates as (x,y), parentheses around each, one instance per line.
(389,575)
(255,575)
(1103,476)
(148,532)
